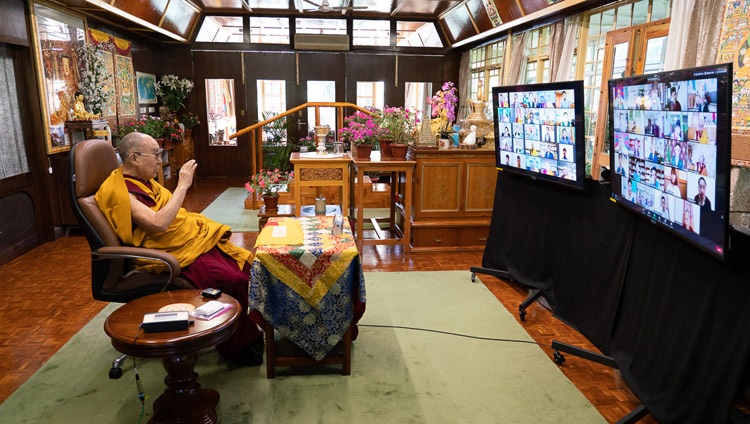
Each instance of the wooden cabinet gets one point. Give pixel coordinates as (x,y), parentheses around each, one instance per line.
(454,191)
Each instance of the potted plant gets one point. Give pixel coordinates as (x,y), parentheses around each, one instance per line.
(400,123)
(443,105)
(267,184)
(190,121)
(363,131)
(173,90)
(151,125)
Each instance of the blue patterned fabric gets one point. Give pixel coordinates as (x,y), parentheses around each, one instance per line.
(314,329)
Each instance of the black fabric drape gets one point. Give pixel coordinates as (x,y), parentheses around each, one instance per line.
(674,318)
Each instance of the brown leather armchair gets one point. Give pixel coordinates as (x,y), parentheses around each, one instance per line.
(112,280)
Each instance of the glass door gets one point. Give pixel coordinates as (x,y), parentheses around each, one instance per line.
(630,51)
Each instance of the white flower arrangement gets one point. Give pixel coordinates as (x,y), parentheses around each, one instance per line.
(94,78)
(173,90)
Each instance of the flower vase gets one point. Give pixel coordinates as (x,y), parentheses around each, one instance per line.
(271,201)
(385,147)
(399,151)
(362,151)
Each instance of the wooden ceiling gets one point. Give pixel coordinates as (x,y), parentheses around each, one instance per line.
(178,20)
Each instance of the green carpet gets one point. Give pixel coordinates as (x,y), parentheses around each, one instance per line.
(229,209)
(398,375)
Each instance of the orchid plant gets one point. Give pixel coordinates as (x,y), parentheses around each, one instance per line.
(444,103)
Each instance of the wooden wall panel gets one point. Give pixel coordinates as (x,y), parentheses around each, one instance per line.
(415,68)
(13,22)
(148,10)
(370,67)
(479,14)
(508,10)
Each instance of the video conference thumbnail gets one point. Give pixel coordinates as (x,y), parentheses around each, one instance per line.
(536,131)
(665,148)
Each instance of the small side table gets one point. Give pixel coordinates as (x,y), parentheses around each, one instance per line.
(263,215)
(183,400)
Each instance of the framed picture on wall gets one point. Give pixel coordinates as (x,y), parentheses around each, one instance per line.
(56,35)
(146,92)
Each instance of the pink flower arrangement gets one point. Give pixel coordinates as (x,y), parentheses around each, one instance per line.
(268,183)
(362,128)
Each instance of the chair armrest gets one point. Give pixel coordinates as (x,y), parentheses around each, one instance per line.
(127,252)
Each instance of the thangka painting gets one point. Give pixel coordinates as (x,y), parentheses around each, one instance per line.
(110,109)
(125,84)
(735,48)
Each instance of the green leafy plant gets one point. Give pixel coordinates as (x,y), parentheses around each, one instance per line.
(190,120)
(151,125)
(400,123)
(173,90)
(276,131)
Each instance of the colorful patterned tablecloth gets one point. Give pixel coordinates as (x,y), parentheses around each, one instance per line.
(313,291)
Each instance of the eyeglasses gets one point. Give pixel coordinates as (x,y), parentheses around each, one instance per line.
(156,155)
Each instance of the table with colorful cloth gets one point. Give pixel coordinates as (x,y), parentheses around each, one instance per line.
(308,283)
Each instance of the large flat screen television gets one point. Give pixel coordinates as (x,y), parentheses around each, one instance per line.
(539,131)
(670,141)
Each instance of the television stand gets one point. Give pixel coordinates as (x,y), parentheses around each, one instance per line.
(505,275)
(633,416)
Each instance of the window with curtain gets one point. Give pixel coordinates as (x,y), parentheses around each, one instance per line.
(486,65)
(537,53)
(13,160)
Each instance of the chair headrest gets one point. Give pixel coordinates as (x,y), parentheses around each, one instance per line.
(94,160)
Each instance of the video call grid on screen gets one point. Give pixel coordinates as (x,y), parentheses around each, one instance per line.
(665,151)
(536,130)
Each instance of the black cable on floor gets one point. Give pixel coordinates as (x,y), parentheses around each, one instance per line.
(452,334)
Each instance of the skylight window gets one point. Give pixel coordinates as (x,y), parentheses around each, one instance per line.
(371,33)
(221,29)
(320,26)
(269,30)
(417,34)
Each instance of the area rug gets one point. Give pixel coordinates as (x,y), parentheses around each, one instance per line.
(229,209)
(406,368)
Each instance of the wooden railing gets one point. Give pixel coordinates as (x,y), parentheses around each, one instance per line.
(256,130)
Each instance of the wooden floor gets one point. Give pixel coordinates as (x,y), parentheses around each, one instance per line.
(47,299)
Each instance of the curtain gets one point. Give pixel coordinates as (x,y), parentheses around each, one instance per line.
(464,81)
(517,60)
(693,33)
(13,159)
(560,67)
(556,45)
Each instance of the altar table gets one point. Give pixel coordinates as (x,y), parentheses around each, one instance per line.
(313,293)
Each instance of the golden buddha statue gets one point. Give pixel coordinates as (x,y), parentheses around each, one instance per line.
(79,110)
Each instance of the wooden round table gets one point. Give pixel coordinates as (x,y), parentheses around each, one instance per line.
(183,401)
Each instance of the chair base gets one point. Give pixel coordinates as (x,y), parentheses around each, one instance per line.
(116,371)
